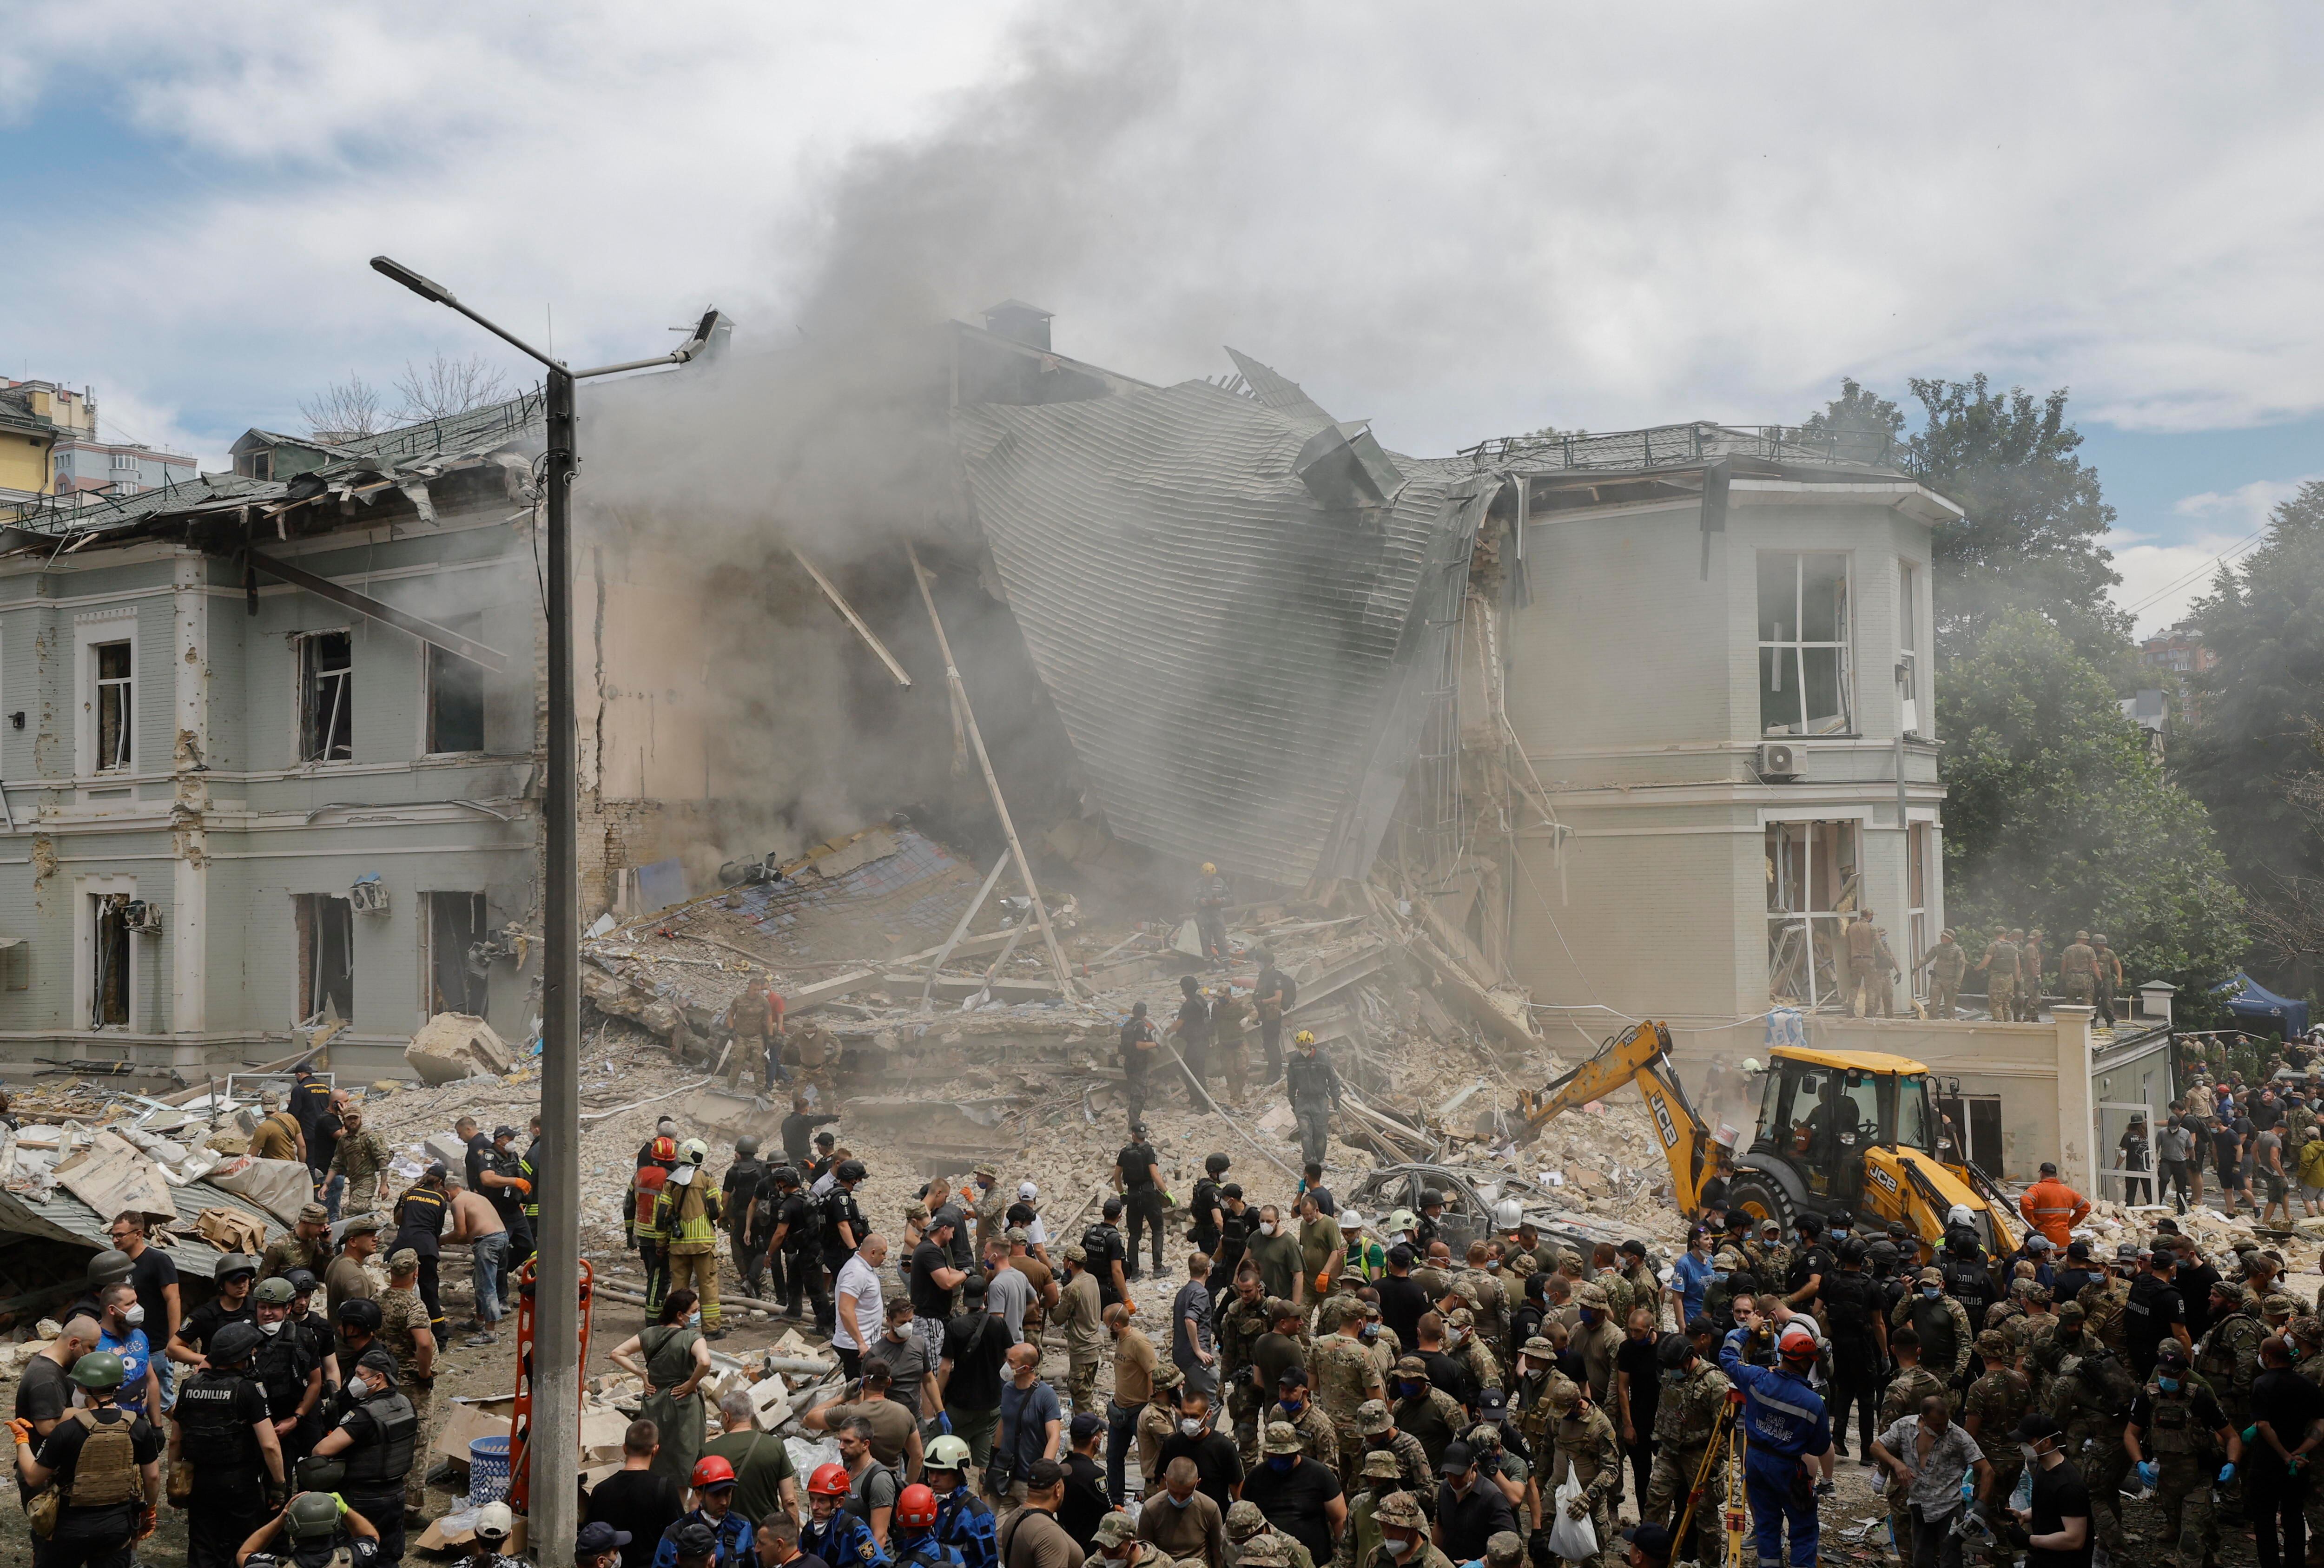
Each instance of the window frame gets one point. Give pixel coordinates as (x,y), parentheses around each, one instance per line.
(1793,650)
(92,895)
(1807,934)
(306,658)
(124,688)
(430,900)
(432,662)
(1908,647)
(308,913)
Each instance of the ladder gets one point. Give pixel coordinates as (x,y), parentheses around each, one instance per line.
(521,1420)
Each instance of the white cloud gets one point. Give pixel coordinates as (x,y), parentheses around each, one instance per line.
(2248,507)
(1529,215)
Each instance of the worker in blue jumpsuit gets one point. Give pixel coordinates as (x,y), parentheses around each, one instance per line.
(1787,1425)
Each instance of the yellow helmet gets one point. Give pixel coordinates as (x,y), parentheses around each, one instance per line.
(1303,1037)
(1209,870)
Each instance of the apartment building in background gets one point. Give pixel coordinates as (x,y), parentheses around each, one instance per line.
(51,444)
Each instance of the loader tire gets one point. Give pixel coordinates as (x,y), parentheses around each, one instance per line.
(1760,1196)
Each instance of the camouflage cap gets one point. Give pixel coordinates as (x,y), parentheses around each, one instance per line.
(2307,1328)
(1075,1252)
(1382,1464)
(1932,1276)
(401,1259)
(1412,1366)
(1466,1290)
(1275,1306)
(1244,1521)
(1522,1264)
(1372,1417)
(314,1214)
(2276,1306)
(1267,1551)
(1591,1295)
(1993,1342)
(1282,1437)
(1401,1509)
(1504,1549)
(1538,1348)
(1459,1317)
(1728,1259)
(1169,1375)
(1115,1528)
(2071,1312)
(1563,1394)
(361,1225)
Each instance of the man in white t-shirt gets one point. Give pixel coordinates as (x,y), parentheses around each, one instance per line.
(857,1303)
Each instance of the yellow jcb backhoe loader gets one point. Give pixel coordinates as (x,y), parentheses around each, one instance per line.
(1853,1130)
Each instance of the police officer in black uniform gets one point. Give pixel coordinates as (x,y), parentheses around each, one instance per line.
(419,1216)
(1204,1206)
(1238,1221)
(1134,1170)
(1813,1265)
(1428,1227)
(791,1250)
(843,1229)
(1107,1255)
(746,1211)
(287,1367)
(508,1201)
(305,1316)
(221,1425)
(1854,1320)
(376,1440)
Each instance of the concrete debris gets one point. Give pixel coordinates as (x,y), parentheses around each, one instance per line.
(453,1045)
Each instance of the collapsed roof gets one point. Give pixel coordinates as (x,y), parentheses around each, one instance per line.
(1240,607)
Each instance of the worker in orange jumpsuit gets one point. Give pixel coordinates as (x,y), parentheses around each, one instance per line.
(2053,1208)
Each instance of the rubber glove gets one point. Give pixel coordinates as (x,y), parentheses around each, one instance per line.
(2227,1474)
(2150,1474)
(944,1423)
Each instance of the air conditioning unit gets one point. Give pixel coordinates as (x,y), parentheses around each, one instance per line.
(369,895)
(1776,764)
(138,915)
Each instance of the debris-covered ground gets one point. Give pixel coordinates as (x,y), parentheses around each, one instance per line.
(1001,1062)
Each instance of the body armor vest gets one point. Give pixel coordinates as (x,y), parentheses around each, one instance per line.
(381,1465)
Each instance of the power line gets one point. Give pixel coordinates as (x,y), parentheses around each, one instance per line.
(2237,549)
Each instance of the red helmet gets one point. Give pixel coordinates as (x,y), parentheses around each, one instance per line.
(666,1150)
(917,1506)
(713,1472)
(829,1480)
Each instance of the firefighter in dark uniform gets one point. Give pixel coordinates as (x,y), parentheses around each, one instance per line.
(748,1201)
(419,1216)
(527,1167)
(221,1425)
(377,1441)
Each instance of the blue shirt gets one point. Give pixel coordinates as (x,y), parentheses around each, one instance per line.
(1780,1412)
(1691,1277)
(136,1356)
(967,1527)
(1023,1430)
(924,1548)
(844,1543)
(735,1541)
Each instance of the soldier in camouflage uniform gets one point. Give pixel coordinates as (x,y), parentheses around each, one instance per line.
(1646,1290)
(2090,1398)
(1319,1438)
(1619,1297)
(1482,1294)
(361,1156)
(1380,1434)
(402,1329)
(1398,1516)
(1771,1260)
(2185,1437)
(2306,1334)
(1378,1475)
(1244,1319)
(2059,1337)
(1941,1326)
(1994,1405)
(2103,1302)
(1249,1538)
(1343,1377)
(1585,1446)
(1911,1384)
(1695,1391)
(307,1246)
(2034,1315)
(2228,1357)
(1467,1348)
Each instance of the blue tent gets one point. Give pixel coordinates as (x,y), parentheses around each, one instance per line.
(2257,1008)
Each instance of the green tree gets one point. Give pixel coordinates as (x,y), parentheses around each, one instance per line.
(2251,749)
(2035,510)
(2057,816)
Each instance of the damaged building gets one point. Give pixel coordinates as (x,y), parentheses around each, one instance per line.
(1617,721)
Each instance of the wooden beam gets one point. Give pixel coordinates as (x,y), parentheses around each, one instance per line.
(842,605)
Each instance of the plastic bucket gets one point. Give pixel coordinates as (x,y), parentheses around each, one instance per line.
(488,1470)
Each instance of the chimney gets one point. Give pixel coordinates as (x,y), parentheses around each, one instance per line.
(1018,322)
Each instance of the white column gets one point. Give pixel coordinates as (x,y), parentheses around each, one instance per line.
(188,933)
(2077,1165)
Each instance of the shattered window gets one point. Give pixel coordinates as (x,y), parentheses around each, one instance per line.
(1812,889)
(456,694)
(113,716)
(1803,629)
(108,990)
(327,698)
(327,956)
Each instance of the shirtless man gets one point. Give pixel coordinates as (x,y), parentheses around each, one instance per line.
(475,1222)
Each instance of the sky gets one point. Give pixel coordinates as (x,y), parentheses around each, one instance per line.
(1458,222)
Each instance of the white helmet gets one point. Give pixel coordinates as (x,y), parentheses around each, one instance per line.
(1349,1220)
(694,1150)
(1508,1214)
(1960,1215)
(1751,1064)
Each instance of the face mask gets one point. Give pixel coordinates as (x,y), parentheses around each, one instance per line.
(134,1316)
(1192,1428)
(1590,1314)
(1266,1227)
(1673,1377)
(1185,1502)
(693,1320)
(2025,1451)
(1398,1548)
(1453,1336)
(1719,1275)
(1407,1390)
(270,1329)
(1281,1463)
(358,1390)
(2168,1385)
(1841,1235)
(1931,1291)
(1292,1410)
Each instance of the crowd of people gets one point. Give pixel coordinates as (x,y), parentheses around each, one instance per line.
(2235,1143)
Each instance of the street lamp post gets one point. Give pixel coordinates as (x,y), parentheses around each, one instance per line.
(556,1431)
